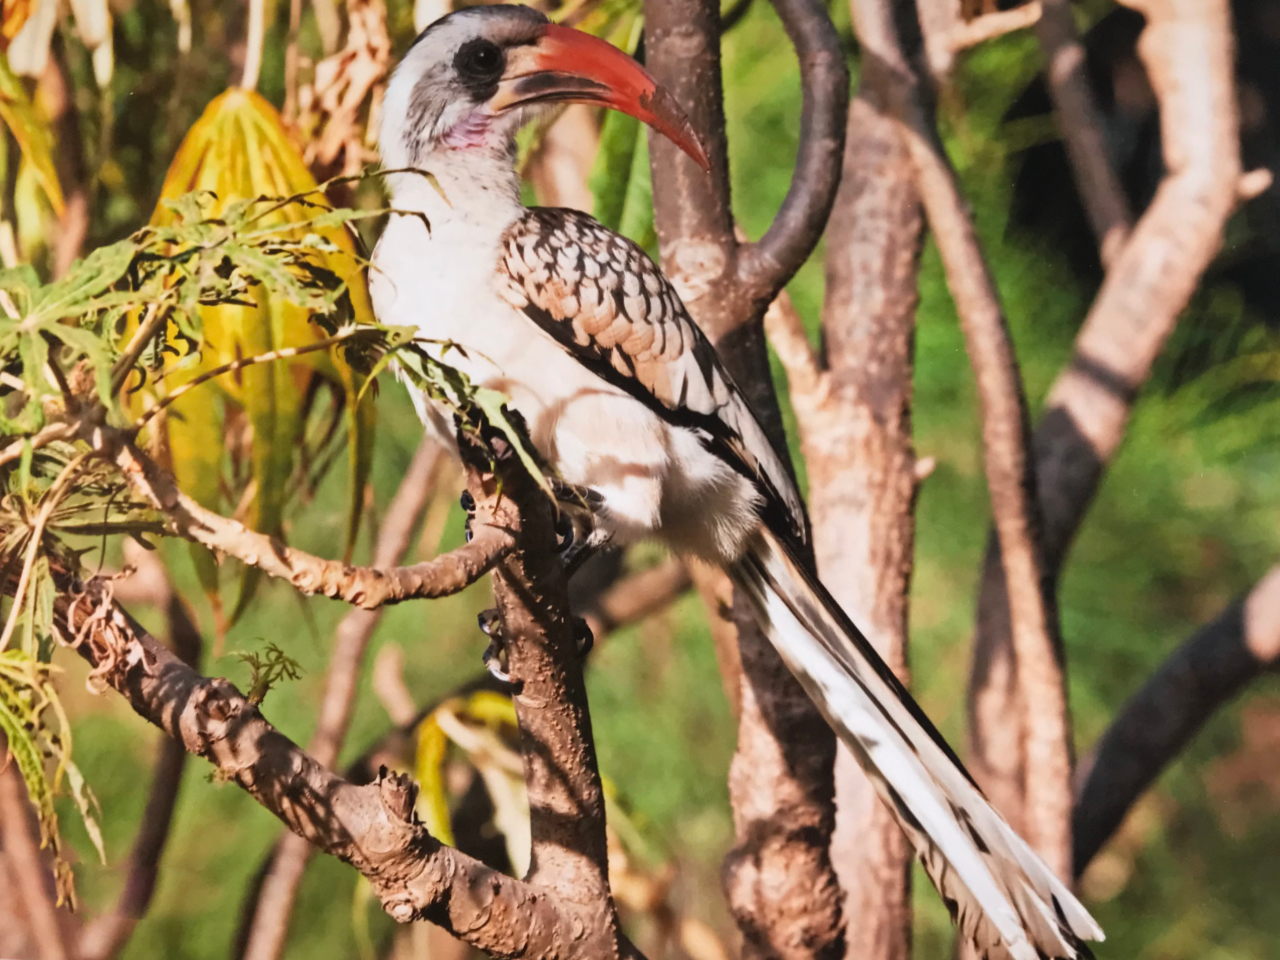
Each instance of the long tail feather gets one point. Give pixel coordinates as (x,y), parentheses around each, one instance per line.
(1000,893)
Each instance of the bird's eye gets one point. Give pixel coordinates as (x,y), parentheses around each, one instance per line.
(479,60)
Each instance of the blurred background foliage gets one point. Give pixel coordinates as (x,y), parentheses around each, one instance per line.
(1188,518)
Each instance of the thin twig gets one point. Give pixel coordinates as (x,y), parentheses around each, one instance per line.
(53,496)
(283,353)
(152,322)
(366,587)
(51,433)
(989,26)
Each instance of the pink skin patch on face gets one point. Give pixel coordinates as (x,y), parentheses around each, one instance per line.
(471,131)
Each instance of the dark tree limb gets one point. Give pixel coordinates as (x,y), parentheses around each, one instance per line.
(1077,115)
(765,267)
(727,284)
(778,879)
(1197,679)
(268,928)
(1005,433)
(854,415)
(1187,49)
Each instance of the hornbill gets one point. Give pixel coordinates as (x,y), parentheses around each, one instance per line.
(625,396)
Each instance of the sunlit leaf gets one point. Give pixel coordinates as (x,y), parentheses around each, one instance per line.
(239,151)
(29,130)
(620,181)
(13,15)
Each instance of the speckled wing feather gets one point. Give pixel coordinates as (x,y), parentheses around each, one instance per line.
(601,298)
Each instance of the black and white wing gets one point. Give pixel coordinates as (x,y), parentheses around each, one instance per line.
(600,297)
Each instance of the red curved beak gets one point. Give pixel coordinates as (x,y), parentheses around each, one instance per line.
(568,66)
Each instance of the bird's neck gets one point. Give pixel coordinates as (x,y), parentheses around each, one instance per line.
(470,191)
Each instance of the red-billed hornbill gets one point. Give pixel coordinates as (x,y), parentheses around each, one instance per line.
(625,396)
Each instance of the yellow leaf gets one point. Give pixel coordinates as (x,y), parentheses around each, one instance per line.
(428,770)
(13,14)
(239,150)
(29,130)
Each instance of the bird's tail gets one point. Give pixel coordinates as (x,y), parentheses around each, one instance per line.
(1002,896)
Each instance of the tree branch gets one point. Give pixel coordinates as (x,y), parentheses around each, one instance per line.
(1197,679)
(637,597)
(1187,49)
(989,26)
(373,827)
(106,935)
(765,267)
(727,285)
(366,587)
(1104,199)
(22,851)
(276,896)
(1005,432)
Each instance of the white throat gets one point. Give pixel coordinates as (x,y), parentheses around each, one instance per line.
(471,193)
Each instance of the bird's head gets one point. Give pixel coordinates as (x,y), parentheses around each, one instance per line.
(472,78)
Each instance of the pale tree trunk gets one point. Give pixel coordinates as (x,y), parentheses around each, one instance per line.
(854,414)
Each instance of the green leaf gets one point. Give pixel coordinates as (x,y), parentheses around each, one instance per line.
(611,174)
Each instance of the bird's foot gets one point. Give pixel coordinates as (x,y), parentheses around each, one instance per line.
(469,505)
(495,654)
(583,636)
(581,547)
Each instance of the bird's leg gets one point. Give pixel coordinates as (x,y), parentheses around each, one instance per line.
(495,654)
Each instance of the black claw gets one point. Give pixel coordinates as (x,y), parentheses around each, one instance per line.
(492,658)
(490,623)
(468,501)
(586,640)
(494,654)
(564,532)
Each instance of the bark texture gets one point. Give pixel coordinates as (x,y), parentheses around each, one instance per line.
(778,878)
